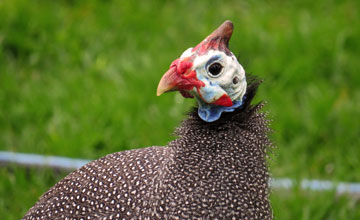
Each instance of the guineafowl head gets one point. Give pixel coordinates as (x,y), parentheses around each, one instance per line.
(210,73)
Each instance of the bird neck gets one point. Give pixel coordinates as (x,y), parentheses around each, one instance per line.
(238,136)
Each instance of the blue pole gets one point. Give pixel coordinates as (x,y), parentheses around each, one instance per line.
(41,161)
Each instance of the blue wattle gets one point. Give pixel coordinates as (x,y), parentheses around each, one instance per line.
(210,113)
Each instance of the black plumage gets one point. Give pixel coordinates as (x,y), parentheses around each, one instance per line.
(211,171)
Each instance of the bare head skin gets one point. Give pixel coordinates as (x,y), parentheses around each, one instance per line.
(209,72)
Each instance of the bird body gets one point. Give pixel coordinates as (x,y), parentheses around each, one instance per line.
(211,170)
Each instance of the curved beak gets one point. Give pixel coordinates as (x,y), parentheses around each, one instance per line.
(168,82)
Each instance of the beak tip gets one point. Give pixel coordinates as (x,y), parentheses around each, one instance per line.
(162,88)
(167,82)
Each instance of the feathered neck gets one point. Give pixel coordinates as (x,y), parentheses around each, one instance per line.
(245,117)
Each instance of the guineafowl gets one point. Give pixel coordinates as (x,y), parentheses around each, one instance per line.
(215,168)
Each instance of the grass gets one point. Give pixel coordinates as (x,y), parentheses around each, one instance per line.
(78,79)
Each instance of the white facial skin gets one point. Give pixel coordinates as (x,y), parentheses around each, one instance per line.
(230,80)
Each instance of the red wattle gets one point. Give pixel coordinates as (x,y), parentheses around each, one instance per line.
(224,100)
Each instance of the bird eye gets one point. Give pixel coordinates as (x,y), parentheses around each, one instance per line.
(215,69)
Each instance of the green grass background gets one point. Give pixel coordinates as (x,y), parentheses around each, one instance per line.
(78,79)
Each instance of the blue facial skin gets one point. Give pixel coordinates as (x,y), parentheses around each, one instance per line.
(210,113)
